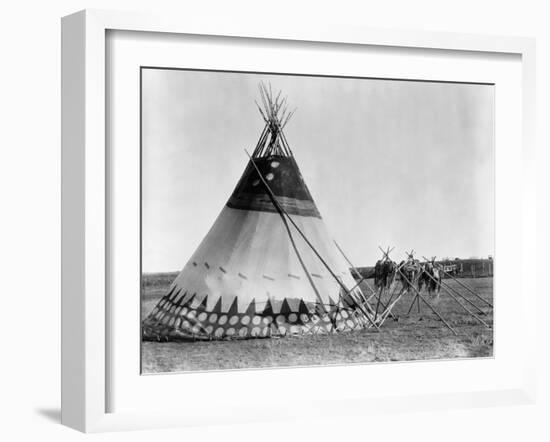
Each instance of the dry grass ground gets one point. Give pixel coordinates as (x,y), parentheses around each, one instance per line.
(419,336)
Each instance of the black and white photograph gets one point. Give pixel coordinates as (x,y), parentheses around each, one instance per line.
(295,220)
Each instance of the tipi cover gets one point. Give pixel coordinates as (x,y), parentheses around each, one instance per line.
(268,266)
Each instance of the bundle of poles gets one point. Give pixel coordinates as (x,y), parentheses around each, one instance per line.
(388,295)
(276,116)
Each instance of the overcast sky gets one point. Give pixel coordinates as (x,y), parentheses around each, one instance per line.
(390,163)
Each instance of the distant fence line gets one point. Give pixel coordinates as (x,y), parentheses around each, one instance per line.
(459,268)
(160,279)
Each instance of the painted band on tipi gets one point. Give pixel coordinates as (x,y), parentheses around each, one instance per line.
(268,266)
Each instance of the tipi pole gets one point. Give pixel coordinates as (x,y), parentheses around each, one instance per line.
(412,305)
(466,287)
(415,299)
(286,142)
(457,293)
(276,203)
(388,310)
(404,291)
(264,101)
(261,141)
(310,279)
(353,268)
(261,112)
(393,282)
(302,262)
(456,299)
(392,290)
(427,303)
(363,299)
(389,305)
(321,258)
(283,211)
(361,278)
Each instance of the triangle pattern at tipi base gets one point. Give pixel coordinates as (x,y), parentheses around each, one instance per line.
(171,323)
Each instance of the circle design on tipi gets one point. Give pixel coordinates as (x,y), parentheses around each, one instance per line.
(292,317)
(219,332)
(269,176)
(209,329)
(245,320)
(255,182)
(350,323)
(275,164)
(282,330)
(202,316)
(344,314)
(280,319)
(196,329)
(178,323)
(183,311)
(265,331)
(255,331)
(213,318)
(256,320)
(304,317)
(233,320)
(185,324)
(294,329)
(230,331)
(268,320)
(166,319)
(192,314)
(222,320)
(243,332)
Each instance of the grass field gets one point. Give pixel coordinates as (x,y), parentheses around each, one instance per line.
(419,336)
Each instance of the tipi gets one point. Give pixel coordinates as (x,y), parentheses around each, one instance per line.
(268,266)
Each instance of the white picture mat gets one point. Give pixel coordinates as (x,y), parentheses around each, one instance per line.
(194,393)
